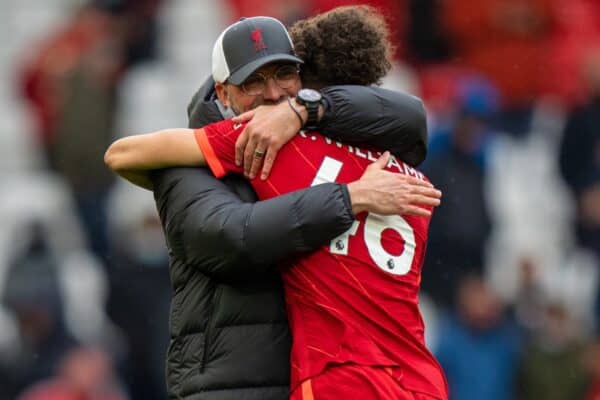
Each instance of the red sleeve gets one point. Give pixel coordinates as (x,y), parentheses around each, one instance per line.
(217,143)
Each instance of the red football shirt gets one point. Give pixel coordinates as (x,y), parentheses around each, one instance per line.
(354,300)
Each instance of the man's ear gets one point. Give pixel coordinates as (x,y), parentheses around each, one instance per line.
(222,93)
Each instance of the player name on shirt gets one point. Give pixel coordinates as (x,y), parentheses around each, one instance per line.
(372,156)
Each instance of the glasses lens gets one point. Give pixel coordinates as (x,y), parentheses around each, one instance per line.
(254,85)
(286,76)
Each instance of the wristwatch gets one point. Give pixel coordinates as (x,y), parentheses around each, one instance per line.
(311,99)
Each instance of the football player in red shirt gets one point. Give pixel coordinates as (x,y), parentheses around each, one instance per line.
(353,305)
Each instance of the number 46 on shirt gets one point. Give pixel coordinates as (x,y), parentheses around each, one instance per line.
(375,224)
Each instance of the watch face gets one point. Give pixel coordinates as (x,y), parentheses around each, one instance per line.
(309,95)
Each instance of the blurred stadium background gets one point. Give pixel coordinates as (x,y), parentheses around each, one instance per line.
(510,287)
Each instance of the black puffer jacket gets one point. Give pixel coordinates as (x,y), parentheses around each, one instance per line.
(229,333)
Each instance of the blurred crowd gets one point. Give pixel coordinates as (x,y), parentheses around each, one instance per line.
(510,295)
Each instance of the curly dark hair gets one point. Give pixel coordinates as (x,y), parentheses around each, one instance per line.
(347,45)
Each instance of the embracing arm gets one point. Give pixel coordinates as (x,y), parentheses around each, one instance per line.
(208,226)
(133,157)
(371,116)
(376,117)
(366,116)
(380,191)
(377,190)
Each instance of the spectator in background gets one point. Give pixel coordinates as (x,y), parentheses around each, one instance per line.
(140,291)
(138,24)
(479,346)
(56,58)
(552,367)
(131,23)
(528,304)
(580,157)
(83,374)
(592,365)
(33,294)
(84,128)
(461,224)
(71,85)
(580,162)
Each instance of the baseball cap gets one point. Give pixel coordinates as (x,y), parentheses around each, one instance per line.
(249,44)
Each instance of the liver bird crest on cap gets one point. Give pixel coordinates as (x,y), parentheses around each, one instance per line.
(257,38)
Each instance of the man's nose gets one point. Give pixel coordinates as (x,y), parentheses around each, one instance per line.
(272,91)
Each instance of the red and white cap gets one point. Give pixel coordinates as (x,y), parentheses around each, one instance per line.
(249,44)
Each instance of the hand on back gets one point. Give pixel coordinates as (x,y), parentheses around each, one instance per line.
(388,193)
(269,128)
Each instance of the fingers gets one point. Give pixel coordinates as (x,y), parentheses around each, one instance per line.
(257,161)
(240,147)
(245,117)
(424,200)
(378,166)
(416,181)
(418,211)
(427,191)
(381,161)
(269,160)
(408,184)
(263,146)
(251,148)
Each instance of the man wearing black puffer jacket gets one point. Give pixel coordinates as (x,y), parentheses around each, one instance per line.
(229,333)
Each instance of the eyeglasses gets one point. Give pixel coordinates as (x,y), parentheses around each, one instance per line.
(285,77)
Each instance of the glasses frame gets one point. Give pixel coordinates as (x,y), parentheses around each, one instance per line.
(266,79)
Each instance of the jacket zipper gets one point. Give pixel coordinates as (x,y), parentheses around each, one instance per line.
(209,329)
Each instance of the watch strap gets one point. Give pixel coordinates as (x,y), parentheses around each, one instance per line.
(312,108)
